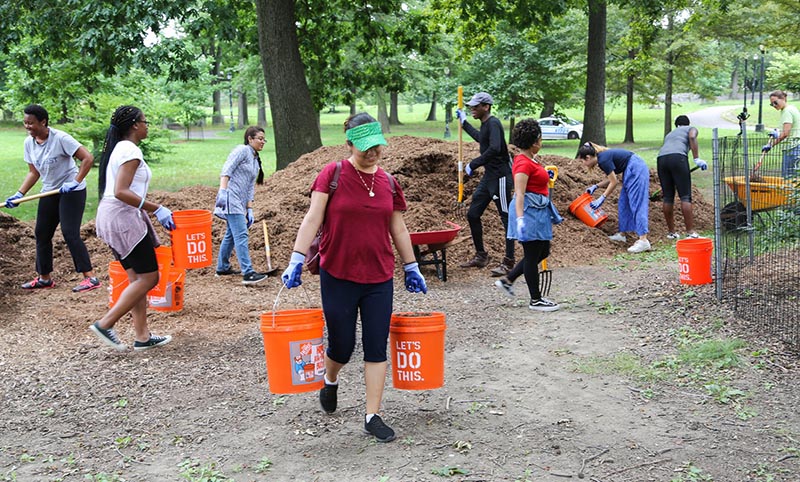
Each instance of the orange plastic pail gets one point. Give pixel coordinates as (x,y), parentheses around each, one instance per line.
(191,239)
(117,282)
(694,260)
(594,218)
(164,258)
(172,300)
(293,350)
(417,348)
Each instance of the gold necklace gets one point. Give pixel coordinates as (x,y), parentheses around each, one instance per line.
(372,185)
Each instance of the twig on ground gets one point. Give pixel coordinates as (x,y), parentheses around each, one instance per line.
(583,464)
(484,400)
(447,405)
(787,456)
(654,462)
(558,474)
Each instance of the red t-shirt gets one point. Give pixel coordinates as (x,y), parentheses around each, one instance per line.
(356,244)
(538,178)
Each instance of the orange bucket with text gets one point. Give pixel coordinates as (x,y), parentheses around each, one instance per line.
(594,218)
(293,349)
(164,258)
(417,350)
(172,299)
(694,260)
(191,239)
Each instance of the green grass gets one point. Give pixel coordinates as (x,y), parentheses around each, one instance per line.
(198,162)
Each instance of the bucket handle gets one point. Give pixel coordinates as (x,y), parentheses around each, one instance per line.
(277,298)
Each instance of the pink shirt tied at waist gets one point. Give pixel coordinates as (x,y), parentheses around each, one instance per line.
(123,226)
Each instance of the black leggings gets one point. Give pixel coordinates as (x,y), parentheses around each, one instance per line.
(535,252)
(673,173)
(499,191)
(66,209)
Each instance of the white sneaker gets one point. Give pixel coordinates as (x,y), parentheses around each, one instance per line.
(673,236)
(693,235)
(619,237)
(640,246)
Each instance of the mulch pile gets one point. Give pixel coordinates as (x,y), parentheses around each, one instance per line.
(426,170)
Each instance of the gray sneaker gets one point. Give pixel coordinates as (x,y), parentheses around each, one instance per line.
(506,287)
(543,304)
(109,337)
(253,278)
(153,342)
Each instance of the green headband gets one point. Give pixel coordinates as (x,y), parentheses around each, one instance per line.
(366,136)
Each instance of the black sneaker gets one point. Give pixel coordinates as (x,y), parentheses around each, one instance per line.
(109,337)
(88,284)
(328,398)
(153,342)
(503,268)
(543,304)
(506,287)
(253,278)
(39,283)
(227,272)
(379,430)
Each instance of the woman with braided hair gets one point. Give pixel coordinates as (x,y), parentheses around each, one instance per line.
(123,223)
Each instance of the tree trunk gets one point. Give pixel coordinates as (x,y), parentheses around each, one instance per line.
(262,106)
(668,96)
(244,118)
(432,111)
(289,97)
(629,102)
(548,108)
(383,116)
(394,116)
(217,118)
(595,99)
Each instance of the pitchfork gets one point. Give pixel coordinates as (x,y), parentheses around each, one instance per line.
(460,209)
(546,276)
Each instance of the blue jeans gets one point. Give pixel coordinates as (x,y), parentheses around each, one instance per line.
(236,236)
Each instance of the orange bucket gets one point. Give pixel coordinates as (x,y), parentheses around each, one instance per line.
(117,282)
(417,347)
(164,258)
(694,260)
(173,298)
(581,209)
(191,239)
(293,350)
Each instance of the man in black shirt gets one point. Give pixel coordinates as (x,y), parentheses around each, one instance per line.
(495,185)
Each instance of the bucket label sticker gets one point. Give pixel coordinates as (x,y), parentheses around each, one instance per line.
(684,268)
(408,361)
(196,248)
(308,361)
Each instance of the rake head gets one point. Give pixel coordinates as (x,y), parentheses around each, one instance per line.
(460,210)
(545,279)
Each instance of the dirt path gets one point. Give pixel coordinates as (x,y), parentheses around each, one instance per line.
(513,407)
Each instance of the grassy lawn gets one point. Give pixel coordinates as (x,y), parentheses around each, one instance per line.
(198,161)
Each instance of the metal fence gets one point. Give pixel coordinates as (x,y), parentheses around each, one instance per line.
(757,242)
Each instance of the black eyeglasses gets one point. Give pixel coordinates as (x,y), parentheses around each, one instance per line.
(774,103)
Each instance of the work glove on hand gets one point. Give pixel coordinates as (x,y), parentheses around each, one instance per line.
(551,173)
(703,165)
(595,205)
(250,218)
(591,189)
(461,115)
(68,186)
(520,226)
(468,170)
(766,147)
(11,205)
(415,283)
(222,199)
(291,275)
(774,134)
(164,217)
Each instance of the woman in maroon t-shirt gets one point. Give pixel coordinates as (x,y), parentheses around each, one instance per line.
(362,217)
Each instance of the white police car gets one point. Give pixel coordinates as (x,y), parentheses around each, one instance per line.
(560,128)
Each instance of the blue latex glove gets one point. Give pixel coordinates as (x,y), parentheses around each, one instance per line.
(250,218)
(774,134)
(291,275)
(461,115)
(591,189)
(552,174)
(703,165)
(222,200)
(164,217)
(520,226)
(766,147)
(595,205)
(11,205)
(415,283)
(68,186)
(468,170)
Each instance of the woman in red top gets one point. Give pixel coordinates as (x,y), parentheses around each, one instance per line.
(532,217)
(362,220)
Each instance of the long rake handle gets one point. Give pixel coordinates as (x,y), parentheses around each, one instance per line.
(35,196)
(460,148)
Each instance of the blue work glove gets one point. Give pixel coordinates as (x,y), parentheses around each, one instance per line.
(774,134)
(461,115)
(766,147)
(595,205)
(520,226)
(551,174)
(164,217)
(222,199)
(11,205)
(703,165)
(250,218)
(291,275)
(68,186)
(415,283)
(468,170)
(591,189)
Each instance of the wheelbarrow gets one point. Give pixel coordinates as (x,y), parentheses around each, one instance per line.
(430,247)
(766,194)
